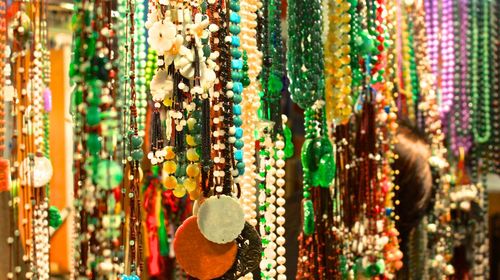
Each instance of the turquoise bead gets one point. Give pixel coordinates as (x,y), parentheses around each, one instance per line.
(235,41)
(239,132)
(136,141)
(234,18)
(236,64)
(137,154)
(238,155)
(237,110)
(93,116)
(237,87)
(234,6)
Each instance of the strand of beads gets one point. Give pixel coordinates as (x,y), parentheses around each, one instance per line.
(141,64)
(478,50)
(250,105)
(266,208)
(236,88)
(338,63)
(280,202)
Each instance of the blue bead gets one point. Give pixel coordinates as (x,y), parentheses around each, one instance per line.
(235,41)
(237,109)
(237,87)
(387,109)
(236,64)
(388,211)
(234,17)
(238,155)
(239,132)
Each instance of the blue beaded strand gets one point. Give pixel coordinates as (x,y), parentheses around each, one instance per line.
(237,86)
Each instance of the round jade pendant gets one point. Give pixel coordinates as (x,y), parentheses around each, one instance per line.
(221,219)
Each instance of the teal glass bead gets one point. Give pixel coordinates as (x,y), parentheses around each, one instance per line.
(236,76)
(234,6)
(136,141)
(236,64)
(137,154)
(235,41)
(237,98)
(235,52)
(237,121)
(109,174)
(234,29)
(308,223)
(238,144)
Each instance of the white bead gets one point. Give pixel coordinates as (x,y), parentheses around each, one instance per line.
(281,250)
(281,230)
(280,163)
(280,192)
(280,220)
(280,241)
(281,260)
(281,277)
(280,144)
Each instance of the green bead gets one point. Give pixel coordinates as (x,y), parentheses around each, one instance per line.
(93,116)
(137,154)
(245,66)
(94,143)
(308,223)
(55,220)
(289,147)
(306,155)
(109,174)
(275,84)
(245,81)
(136,141)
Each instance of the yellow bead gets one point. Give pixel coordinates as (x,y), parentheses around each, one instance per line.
(179,191)
(170,152)
(169,167)
(194,195)
(192,155)
(190,140)
(192,170)
(191,122)
(170,182)
(190,184)
(167,102)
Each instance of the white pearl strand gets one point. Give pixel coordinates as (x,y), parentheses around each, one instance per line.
(280,201)
(268,262)
(37,89)
(42,245)
(250,103)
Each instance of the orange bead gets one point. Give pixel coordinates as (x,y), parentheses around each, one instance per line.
(192,155)
(169,167)
(170,182)
(190,184)
(192,170)
(179,191)
(170,152)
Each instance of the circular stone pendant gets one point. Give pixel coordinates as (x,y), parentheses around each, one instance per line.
(198,256)
(221,219)
(249,253)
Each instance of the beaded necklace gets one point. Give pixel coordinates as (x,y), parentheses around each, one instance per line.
(479,47)
(305,59)
(495,92)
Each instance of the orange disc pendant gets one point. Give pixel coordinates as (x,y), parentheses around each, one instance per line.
(200,257)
